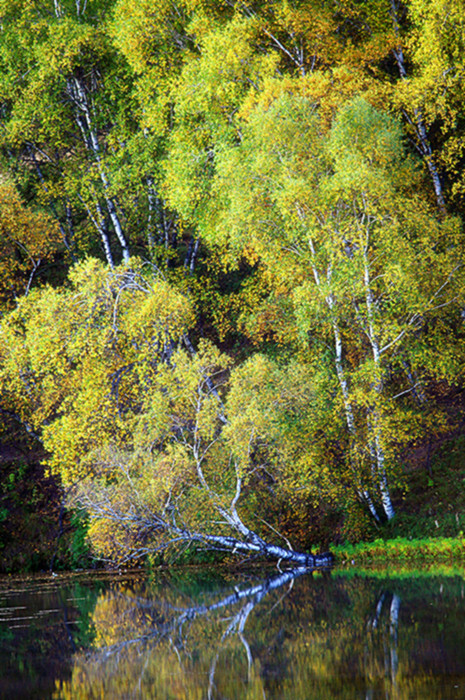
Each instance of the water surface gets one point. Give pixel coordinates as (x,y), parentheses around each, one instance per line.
(205,634)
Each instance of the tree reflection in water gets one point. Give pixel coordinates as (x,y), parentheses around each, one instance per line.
(325,637)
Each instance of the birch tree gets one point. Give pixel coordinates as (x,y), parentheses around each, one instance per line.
(75,360)
(133,419)
(337,221)
(186,482)
(434,46)
(61,98)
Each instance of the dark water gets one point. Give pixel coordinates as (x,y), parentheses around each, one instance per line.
(202,634)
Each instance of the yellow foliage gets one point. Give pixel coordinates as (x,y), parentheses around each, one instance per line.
(27,239)
(77,360)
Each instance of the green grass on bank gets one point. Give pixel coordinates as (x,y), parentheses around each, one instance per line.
(403,550)
(428,529)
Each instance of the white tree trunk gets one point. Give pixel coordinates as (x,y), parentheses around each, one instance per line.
(362,492)
(78,94)
(424,146)
(377,448)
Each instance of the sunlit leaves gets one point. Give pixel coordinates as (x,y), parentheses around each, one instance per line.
(27,240)
(434,89)
(335,219)
(78,360)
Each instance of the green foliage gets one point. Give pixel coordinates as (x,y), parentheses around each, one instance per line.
(85,354)
(437,550)
(258,159)
(349,243)
(80,554)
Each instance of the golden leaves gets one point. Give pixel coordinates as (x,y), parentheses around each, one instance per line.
(27,238)
(79,359)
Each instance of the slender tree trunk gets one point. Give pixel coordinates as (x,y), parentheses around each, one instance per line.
(151,199)
(191,255)
(377,448)
(424,146)
(261,548)
(70,225)
(99,223)
(78,94)
(57,8)
(363,493)
(415,386)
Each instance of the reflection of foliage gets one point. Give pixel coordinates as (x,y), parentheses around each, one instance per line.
(56,621)
(321,636)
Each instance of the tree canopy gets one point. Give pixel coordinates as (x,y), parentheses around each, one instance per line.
(231,245)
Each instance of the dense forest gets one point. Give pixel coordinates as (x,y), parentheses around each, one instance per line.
(231,276)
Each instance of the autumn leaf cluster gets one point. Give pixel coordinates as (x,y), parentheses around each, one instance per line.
(231,256)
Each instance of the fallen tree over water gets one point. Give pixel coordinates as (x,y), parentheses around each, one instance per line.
(163,445)
(134,534)
(127,525)
(193,470)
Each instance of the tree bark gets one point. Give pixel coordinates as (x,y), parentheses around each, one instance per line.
(263,549)
(78,95)
(424,146)
(362,493)
(377,448)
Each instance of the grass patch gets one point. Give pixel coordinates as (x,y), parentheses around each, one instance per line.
(402,550)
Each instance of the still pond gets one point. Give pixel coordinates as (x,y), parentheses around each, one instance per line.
(203,634)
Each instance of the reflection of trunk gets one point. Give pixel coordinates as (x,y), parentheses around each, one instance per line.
(172,620)
(140,631)
(393,629)
(374,623)
(388,634)
(236,626)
